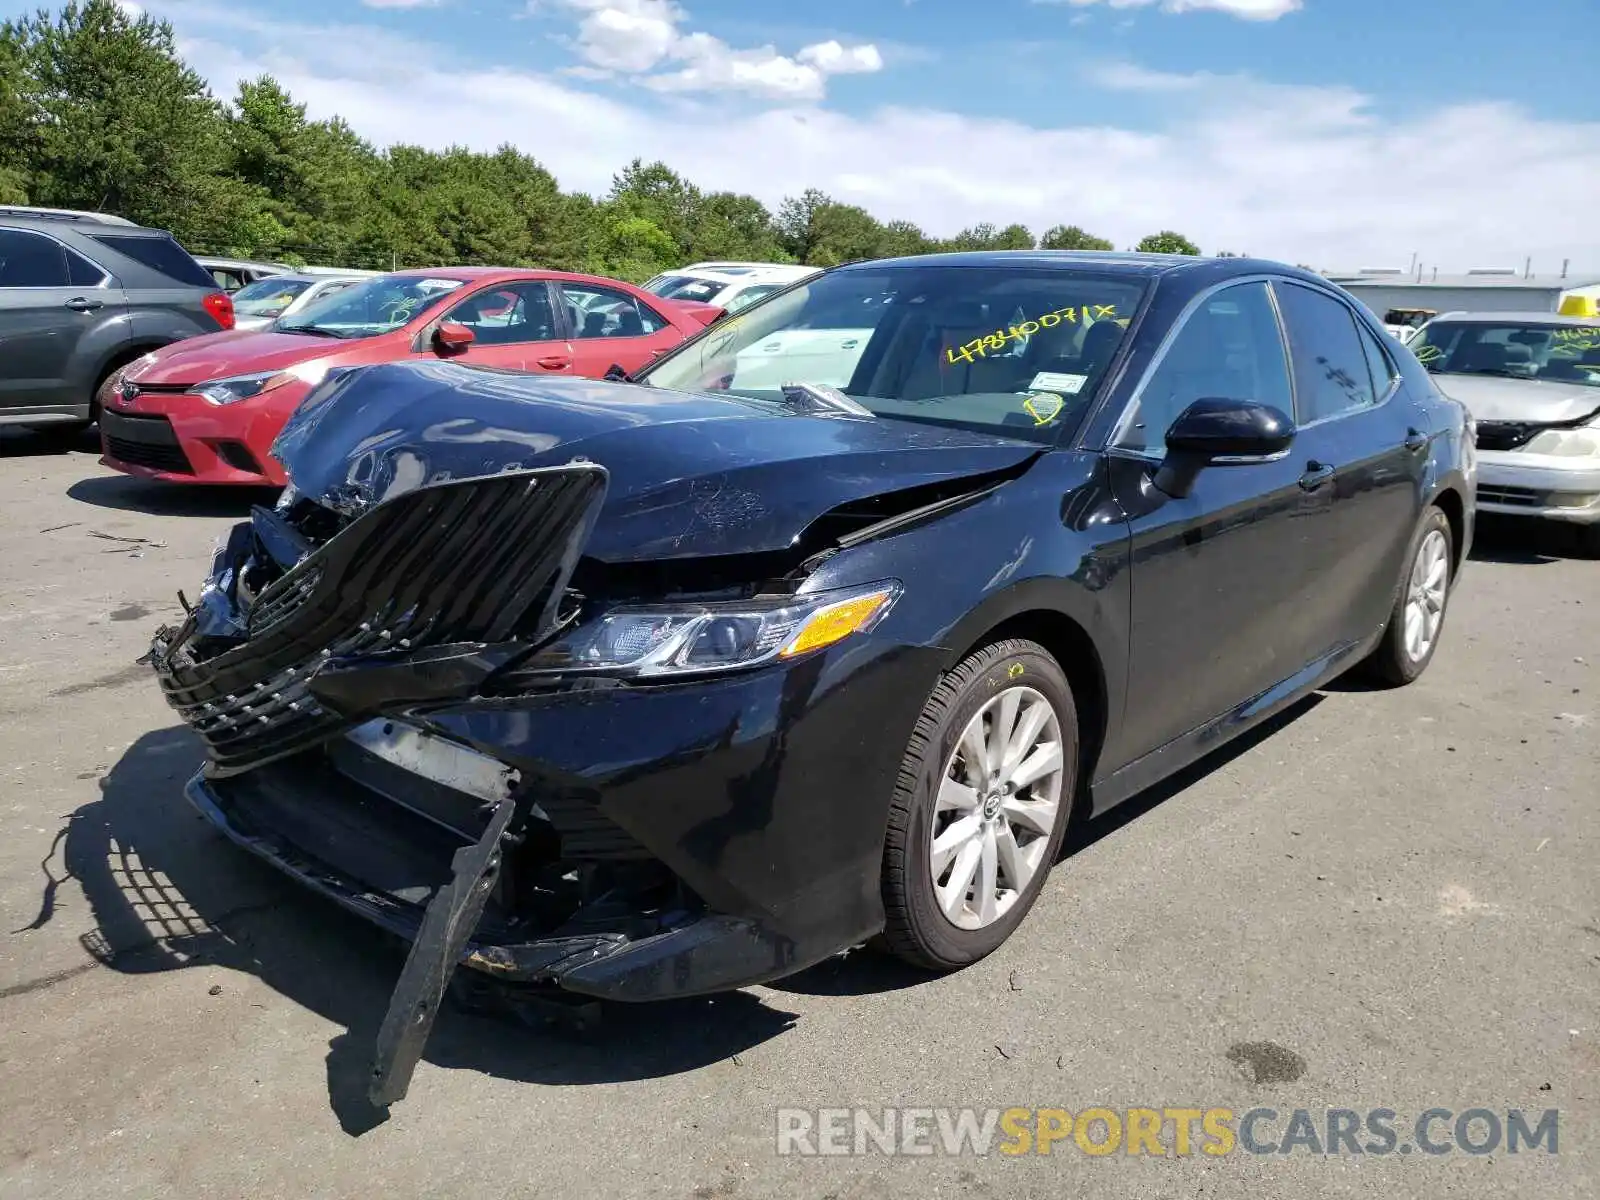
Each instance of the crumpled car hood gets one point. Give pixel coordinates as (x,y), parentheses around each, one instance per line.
(690,474)
(1495,398)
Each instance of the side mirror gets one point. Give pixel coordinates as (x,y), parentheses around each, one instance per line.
(451,338)
(1215,431)
(616,374)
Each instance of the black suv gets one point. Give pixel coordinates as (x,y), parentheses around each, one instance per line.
(82,294)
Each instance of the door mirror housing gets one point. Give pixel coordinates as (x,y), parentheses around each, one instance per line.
(1216,431)
(616,374)
(451,338)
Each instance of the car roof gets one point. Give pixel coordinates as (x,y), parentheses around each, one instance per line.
(1539,318)
(1130,262)
(737,272)
(27,211)
(211,260)
(506,274)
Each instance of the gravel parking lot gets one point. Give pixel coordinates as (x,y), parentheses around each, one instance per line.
(1390,900)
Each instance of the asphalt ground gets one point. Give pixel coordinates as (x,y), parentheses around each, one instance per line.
(1390,899)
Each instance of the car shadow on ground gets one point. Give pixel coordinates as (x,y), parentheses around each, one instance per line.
(1501,539)
(18,441)
(862,974)
(158,499)
(167,893)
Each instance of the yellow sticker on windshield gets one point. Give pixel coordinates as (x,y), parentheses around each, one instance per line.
(1044,407)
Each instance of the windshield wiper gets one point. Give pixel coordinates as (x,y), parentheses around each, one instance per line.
(819,397)
(313,330)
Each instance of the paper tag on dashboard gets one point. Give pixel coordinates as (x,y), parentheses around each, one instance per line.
(1055,381)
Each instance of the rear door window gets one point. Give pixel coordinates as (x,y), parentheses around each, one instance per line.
(81,271)
(598,312)
(1331,376)
(160,254)
(31,260)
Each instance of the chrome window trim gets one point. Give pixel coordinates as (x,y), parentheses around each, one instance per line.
(105,275)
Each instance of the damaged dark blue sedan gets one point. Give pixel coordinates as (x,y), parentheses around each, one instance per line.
(821,629)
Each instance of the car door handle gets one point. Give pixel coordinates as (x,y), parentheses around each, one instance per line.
(555,362)
(1316,475)
(1415,440)
(84,304)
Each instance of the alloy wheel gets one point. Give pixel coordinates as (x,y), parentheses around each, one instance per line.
(999,801)
(1425,595)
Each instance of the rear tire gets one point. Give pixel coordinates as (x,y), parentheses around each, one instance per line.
(999,823)
(1416,622)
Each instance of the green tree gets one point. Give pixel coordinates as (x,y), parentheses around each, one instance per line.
(1168,242)
(821,232)
(16,129)
(635,248)
(729,225)
(118,123)
(657,193)
(1071,237)
(903,238)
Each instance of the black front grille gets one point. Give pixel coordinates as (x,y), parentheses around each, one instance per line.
(474,561)
(1507,435)
(144,441)
(1519,496)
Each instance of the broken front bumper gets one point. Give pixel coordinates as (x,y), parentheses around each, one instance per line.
(759,797)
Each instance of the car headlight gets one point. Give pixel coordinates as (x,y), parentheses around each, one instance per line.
(1566,443)
(245,387)
(683,639)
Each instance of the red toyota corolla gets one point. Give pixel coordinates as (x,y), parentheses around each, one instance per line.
(207,409)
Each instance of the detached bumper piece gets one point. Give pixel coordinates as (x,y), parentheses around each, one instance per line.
(413,590)
(403,605)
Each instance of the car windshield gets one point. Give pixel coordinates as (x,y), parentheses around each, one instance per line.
(372,307)
(685,287)
(999,350)
(1550,351)
(267,297)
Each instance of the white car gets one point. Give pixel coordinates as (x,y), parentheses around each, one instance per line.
(1532,383)
(257,305)
(729,285)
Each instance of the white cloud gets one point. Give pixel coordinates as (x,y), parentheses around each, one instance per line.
(1245,10)
(837,59)
(1307,174)
(636,37)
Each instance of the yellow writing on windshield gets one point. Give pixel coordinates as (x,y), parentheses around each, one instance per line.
(991,342)
(1044,407)
(1575,341)
(1428,354)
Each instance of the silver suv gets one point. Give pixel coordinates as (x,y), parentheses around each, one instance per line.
(82,294)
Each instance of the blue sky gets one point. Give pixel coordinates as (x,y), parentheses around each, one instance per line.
(1337,132)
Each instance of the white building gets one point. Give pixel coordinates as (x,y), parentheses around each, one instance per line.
(1476,291)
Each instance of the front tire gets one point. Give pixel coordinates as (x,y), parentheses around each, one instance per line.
(1417,620)
(980,807)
